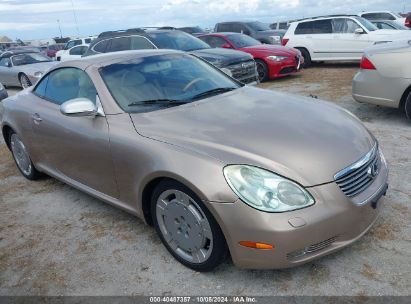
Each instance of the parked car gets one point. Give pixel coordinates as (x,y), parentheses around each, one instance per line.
(74,53)
(337,38)
(273,61)
(283,25)
(23,68)
(3,92)
(72,43)
(258,30)
(408,21)
(193,30)
(383,15)
(52,49)
(216,166)
(388,25)
(237,64)
(385,76)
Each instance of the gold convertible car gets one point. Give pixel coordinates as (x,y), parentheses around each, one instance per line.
(219,168)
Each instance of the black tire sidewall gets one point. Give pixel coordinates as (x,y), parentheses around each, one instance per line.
(407,106)
(307,57)
(220,250)
(21,82)
(265,66)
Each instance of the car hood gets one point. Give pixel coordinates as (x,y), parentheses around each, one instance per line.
(43,67)
(391,35)
(221,57)
(271,49)
(301,138)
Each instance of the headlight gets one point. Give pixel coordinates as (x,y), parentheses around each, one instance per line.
(227,71)
(277,58)
(275,39)
(38,74)
(266,191)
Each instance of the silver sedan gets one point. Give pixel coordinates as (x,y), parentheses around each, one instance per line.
(23,69)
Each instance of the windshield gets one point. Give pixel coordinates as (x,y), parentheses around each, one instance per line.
(28,58)
(367,24)
(151,83)
(241,40)
(259,26)
(178,40)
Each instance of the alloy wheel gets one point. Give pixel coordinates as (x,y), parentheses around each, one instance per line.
(25,81)
(20,155)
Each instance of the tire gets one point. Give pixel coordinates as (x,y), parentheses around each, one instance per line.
(22,158)
(186,227)
(407,106)
(24,81)
(307,57)
(262,70)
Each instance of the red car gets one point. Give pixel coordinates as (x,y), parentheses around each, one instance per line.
(273,61)
(53,49)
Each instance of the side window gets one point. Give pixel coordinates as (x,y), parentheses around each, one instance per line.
(40,89)
(225,27)
(244,29)
(78,50)
(138,43)
(120,44)
(101,46)
(5,62)
(322,27)
(68,83)
(283,26)
(69,45)
(304,28)
(77,42)
(215,42)
(87,40)
(384,26)
(344,26)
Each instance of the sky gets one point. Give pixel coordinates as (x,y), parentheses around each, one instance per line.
(35,19)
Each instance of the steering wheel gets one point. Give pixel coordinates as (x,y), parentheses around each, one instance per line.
(193,82)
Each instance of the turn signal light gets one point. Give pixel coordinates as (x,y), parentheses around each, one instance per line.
(284,41)
(366,64)
(256,245)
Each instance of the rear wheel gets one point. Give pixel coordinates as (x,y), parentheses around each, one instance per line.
(307,57)
(186,227)
(24,81)
(407,106)
(22,158)
(262,70)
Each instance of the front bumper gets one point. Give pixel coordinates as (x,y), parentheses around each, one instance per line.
(370,87)
(334,222)
(284,68)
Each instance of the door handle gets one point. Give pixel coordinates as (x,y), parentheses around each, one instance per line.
(36,118)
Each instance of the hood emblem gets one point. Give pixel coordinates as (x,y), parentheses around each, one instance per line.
(372,171)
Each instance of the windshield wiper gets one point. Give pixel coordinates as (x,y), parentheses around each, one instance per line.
(212,92)
(162,101)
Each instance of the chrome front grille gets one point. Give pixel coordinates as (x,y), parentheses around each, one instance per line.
(245,72)
(311,248)
(356,178)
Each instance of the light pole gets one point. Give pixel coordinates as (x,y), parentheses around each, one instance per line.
(58,22)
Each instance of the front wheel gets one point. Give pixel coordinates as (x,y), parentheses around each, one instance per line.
(24,81)
(262,70)
(186,227)
(407,106)
(22,158)
(307,57)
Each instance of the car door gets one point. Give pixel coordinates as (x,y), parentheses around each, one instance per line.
(7,74)
(73,147)
(349,45)
(316,35)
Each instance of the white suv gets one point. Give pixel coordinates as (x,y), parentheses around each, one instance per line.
(337,38)
(72,43)
(383,15)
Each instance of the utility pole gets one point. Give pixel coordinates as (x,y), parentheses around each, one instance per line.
(58,22)
(75,18)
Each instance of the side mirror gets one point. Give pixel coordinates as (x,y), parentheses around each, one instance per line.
(226,46)
(359,31)
(79,107)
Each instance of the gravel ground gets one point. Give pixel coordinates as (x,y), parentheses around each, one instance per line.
(55,240)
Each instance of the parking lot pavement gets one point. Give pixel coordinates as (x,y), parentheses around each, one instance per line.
(56,240)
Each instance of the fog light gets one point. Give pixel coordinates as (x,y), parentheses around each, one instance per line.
(256,245)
